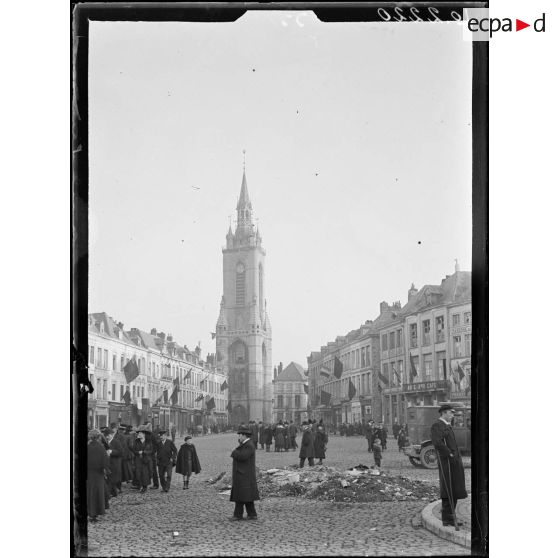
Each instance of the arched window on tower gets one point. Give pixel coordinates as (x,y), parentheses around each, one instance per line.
(240,284)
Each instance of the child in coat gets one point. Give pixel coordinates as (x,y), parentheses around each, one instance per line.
(377,449)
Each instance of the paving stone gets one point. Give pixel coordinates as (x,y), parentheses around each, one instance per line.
(142,525)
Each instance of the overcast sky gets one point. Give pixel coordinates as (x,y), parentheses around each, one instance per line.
(358,162)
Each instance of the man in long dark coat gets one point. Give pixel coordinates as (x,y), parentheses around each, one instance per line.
(369,433)
(261,428)
(254,429)
(166,458)
(115,453)
(450,466)
(244,490)
(292,434)
(306,445)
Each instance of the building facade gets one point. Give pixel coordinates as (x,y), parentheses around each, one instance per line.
(290,400)
(355,395)
(243,331)
(174,387)
(426,348)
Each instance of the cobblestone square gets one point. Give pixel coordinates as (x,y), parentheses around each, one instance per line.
(143,524)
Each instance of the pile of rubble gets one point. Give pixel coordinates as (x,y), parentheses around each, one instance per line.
(359,484)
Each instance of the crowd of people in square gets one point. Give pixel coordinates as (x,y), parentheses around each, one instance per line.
(144,456)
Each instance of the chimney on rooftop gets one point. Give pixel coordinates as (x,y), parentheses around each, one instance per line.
(384,307)
(154,331)
(161,335)
(120,325)
(169,337)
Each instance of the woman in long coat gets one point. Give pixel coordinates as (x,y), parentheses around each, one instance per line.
(320,442)
(143,452)
(115,452)
(97,465)
(187,461)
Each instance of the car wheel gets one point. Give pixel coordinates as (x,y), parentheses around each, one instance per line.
(428,457)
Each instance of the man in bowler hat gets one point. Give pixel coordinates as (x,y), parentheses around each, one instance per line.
(244,486)
(166,458)
(450,466)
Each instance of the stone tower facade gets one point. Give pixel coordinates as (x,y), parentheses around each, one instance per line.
(243,333)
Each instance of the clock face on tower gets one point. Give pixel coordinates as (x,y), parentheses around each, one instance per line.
(240,267)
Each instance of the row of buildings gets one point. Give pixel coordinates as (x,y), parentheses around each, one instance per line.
(416,354)
(173,386)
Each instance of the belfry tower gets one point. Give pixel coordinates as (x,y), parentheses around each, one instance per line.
(243,333)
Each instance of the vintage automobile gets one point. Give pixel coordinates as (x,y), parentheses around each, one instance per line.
(421,452)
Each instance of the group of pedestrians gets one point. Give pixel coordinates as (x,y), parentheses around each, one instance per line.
(139,457)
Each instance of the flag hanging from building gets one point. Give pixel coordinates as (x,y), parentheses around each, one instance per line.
(213,335)
(396,375)
(306,388)
(199,397)
(229,406)
(126,397)
(460,371)
(445,370)
(383,378)
(324,371)
(131,370)
(224,385)
(174,395)
(380,388)
(306,372)
(210,405)
(167,365)
(352,389)
(201,383)
(188,374)
(325,397)
(337,368)
(414,372)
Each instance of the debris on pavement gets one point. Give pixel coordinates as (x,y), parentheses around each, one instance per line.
(358,484)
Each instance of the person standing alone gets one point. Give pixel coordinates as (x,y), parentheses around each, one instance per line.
(244,490)
(450,466)
(306,445)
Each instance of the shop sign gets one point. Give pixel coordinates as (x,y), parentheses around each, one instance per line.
(435,385)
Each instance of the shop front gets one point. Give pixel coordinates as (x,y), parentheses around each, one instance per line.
(426,393)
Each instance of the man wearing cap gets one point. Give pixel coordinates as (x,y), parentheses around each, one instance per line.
(244,490)
(166,458)
(450,466)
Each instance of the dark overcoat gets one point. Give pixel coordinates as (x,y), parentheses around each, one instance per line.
(187,461)
(261,431)
(268,434)
(97,463)
(320,441)
(307,444)
(166,452)
(450,469)
(279,437)
(143,462)
(254,429)
(244,485)
(116,460)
